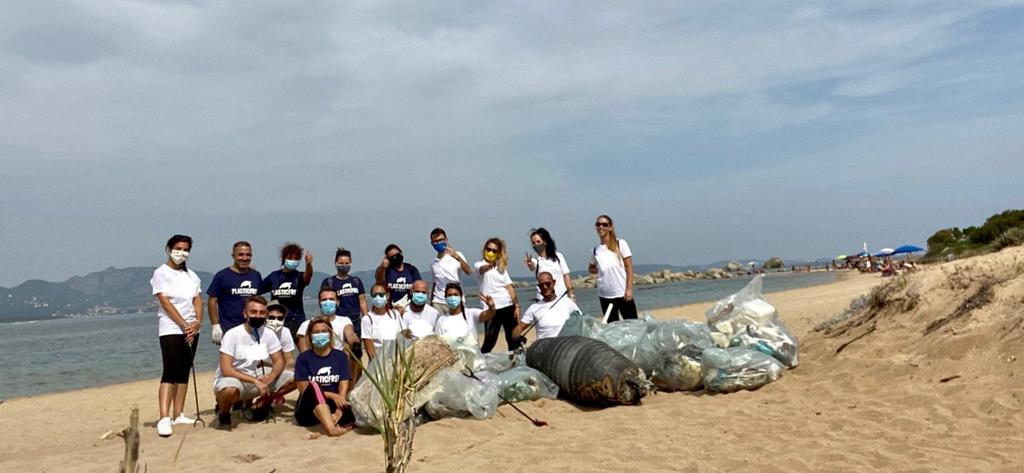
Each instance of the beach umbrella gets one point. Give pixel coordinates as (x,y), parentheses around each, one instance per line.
(841,257)
(884,252)
(907,249)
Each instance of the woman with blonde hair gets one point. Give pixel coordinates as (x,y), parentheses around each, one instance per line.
(612,262)
(495,283)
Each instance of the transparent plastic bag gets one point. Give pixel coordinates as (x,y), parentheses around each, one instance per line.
(462,396)
(498,362)
(748,320)
(582,325)
(627,337)
(727,370)
(523,383)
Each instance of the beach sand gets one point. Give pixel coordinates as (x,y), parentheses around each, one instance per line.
(892,400)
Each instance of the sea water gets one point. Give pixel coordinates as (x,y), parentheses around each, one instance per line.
(66,354)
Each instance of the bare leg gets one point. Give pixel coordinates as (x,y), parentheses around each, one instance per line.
(166,393)
(179,398)
(327,421)
(226,398)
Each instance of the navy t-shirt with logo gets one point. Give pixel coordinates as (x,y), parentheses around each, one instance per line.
(231,290)
(327,371)
(400,282)
(348,291)
(287,288)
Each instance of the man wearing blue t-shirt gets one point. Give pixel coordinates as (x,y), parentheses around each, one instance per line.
(230,288)
(351,294)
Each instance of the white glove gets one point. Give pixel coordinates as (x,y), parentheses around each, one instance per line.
(217,334)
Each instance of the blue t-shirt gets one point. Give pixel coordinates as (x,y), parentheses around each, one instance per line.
(400,282)
(327,371)
(287,288)
(231,290)
(348,291)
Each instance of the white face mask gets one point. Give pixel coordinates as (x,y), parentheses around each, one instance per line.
(275,325)
(179,256)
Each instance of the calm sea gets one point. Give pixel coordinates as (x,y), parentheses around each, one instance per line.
(65,354)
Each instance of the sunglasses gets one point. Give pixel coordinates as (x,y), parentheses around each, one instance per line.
(275,317)
(602,224)
(545,284)
(378,294)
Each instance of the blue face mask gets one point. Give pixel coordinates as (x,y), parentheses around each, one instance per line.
(328,307)
(291,264)
(453,301)
(379,301)
(439,246)
(321,339)
(419,298)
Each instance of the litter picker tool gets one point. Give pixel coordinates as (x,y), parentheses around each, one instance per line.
(537,319)
(195,384)
(536,422)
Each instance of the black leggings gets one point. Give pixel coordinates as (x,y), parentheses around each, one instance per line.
(177,358)
(621,306)
(307,402)
(503,317)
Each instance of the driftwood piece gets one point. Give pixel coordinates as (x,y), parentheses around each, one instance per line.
(131,444)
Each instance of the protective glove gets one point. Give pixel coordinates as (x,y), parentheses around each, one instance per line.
(217,334)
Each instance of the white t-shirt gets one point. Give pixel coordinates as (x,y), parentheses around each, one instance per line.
(420,323)
(380,328)
(550,316)
(494,284)
(337,325)
(181,287)
(241,345)
(457,325)
(611,271)
(445,270)
(557,269)
(287,342)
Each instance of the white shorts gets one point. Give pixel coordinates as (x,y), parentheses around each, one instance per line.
(249,390)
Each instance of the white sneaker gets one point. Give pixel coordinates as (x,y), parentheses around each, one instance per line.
(163,427)
(183,419)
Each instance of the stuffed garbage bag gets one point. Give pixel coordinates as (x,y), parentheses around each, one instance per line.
(588,371)
(727,370)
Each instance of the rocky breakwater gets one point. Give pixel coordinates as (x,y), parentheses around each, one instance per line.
(729,270)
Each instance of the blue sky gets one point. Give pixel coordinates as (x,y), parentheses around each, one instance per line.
(735,129)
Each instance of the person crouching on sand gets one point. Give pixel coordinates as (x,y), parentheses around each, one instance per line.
(550,314)
(251,366)
(322,375)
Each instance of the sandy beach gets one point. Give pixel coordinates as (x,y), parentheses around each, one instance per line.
(906,393)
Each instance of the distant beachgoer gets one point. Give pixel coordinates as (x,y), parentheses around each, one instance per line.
(343,331)
(398,275)
(229,290)
(550,314)
(351,294)
(251,366)
(382,323)
(612,262)
(420,317)
(496,284)
(322,375)
(286,285)
(179,317)
(445,267)
(461,321)
(549,260)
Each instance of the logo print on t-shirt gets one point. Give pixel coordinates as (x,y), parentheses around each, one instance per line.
(244,289)
(400,284)
(284,290)
(325,371)
(324,376)
(347,290)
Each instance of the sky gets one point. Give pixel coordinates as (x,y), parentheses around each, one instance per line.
(707,130)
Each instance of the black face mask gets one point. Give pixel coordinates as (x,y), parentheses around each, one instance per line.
(396,260)
(257,322)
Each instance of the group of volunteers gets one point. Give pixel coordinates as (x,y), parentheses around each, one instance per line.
(269,347)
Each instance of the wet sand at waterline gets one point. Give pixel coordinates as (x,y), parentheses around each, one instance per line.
(925,381)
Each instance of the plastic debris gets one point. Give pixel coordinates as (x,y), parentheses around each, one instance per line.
(727,370)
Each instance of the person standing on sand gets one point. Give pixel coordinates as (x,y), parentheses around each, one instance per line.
(445,267)
(229,290)
(322,375)
(382,323)
(549,314)
(496,285)
(350,291)
(179,316)
(287,284)
(612,262)
(420,317)
(398,275)
(251,366)
(549,260)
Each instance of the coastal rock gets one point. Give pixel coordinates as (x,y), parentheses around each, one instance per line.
(733,267)
(715,273)
(774,263)
(644,279)
(666,274)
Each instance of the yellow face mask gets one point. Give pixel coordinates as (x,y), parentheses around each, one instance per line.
(490,256)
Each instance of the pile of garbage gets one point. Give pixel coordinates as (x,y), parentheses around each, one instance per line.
(743,345)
